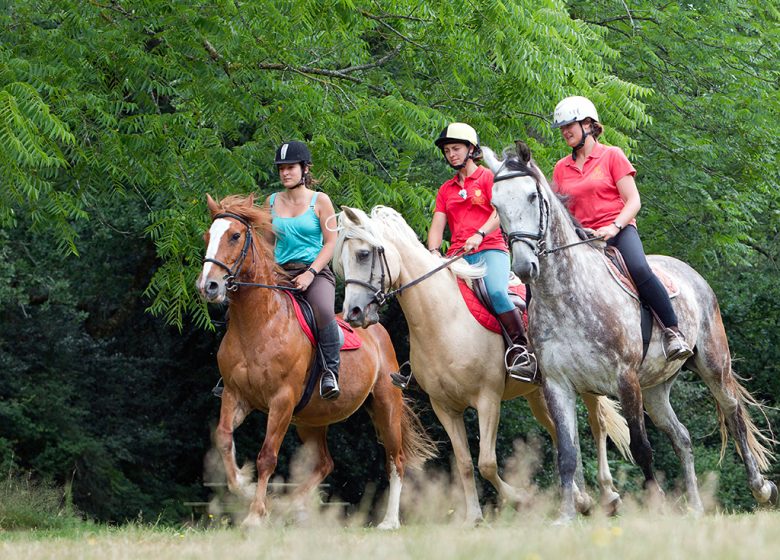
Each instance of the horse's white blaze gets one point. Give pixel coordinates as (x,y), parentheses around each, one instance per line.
(216,232)
(392,519)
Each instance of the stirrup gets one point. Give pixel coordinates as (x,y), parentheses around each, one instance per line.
(524,366)
(332,392)
(218,389)
(400,379)
(682,353)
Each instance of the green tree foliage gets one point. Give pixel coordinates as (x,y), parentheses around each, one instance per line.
(164,101)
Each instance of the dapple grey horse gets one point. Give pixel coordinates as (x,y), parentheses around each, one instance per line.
(585,330)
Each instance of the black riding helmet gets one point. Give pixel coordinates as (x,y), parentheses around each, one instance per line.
(293,152)
(460,133)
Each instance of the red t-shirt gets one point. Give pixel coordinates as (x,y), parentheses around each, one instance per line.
(468,208)
(593,196)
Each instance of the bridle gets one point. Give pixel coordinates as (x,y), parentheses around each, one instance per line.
(379,295)
(534,239)
(231,284)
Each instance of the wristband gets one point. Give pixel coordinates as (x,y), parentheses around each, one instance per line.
(482,233)
(310,269)
(617,225)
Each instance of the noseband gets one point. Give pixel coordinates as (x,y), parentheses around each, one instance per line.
(535,240)
(379,294)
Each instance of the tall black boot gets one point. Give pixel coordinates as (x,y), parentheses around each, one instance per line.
(330,345)
(520,363)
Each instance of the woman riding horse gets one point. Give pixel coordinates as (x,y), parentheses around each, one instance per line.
(463,203)
(304,247)
(598,183)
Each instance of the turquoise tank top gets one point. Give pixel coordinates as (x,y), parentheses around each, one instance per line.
(298,239)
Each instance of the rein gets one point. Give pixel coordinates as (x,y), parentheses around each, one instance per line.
(380,296)
(231,284)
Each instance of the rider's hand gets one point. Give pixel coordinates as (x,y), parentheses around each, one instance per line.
(472,243)
(304,280)
(607,232)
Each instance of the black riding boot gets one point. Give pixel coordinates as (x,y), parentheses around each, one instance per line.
(520,363)
(330,344)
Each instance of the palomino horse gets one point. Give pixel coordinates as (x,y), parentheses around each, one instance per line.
(265,356)
(586,332)
(455,360)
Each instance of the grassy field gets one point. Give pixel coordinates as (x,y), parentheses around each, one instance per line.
(520,538)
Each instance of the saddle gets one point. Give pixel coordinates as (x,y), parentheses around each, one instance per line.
(619,272)
(478,301)
(305,316)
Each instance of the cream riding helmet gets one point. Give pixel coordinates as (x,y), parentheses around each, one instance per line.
(575,109)
(460,133)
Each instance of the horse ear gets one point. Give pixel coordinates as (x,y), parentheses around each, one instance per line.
(214,208)
(351,214)
(251,198)
(490,158)
(523,151)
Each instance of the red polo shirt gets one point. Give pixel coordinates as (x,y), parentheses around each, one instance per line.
(593,196)
(468,208)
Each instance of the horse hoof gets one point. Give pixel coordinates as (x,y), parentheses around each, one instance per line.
(612,506)
(252,521)
(773,497)
(585,505)
(563,520)
(389,526)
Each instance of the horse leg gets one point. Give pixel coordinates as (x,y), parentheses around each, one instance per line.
(630,395)
(610,499)
(583,501)
(456,430)
(232,413)
(488,412)
(279,416)
(387,409)
(561,403)
(657,404)
(315,442)
(712,362)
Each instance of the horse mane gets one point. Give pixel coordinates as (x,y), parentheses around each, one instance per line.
(521,160)
(260,218)
(387,223)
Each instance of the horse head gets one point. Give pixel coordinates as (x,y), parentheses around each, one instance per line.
(522,205)
(370,266)
(229,242)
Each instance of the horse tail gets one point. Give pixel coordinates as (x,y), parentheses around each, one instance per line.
(417,445)
(616,426)
(757,441)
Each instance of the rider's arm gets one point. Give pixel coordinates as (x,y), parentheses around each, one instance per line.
(630,195)
(436,231)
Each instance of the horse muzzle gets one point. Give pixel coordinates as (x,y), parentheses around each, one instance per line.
(213,291)
(525,269)
(362,316)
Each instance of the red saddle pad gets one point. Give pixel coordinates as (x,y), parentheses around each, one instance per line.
(351,339)
(481,313)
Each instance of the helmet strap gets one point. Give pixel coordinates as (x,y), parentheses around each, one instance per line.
(581,142)
(465,162)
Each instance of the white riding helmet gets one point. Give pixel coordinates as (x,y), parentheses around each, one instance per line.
(574,109)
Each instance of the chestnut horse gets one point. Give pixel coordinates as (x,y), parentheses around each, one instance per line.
(265,358)
(586,333)
(457,362)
